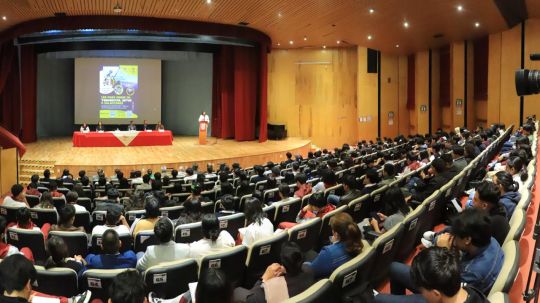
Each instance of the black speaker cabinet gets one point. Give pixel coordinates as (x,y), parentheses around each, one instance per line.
(276,132)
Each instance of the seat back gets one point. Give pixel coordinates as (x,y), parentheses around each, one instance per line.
(270,212)
(334,190)
(59,202)
(411,227)
(86,202)
(431,216)
(76,241)
(499,297)
(525,200)
(125,239)
(271,195)
(386,247)
(133,215)
(98,281)
(232,261)
(509,269)
(306,234)
(261,254)
(60,281)
(207,207)
(144,239)
(188,233)
(32,200)
(83,219)
(172,212)
(360,208)
(517,225)
(171,279)
(376,199)
(350,274)
(319,292)
(32,239)
(99,217)
(287,211)
(232,223)
(10,213)
(326,230)
(41,216)
(181,197)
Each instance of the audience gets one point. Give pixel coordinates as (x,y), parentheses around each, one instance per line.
(111,257)
(6,250)
(351,192)
(394,211)
(65,220)
(17,198)
(317,207)
(71,198)
(151,206)
(258,227)
(192,212)
(46,201)
(214,239)
(508,188)
(371,182)
(304,188)
(17,274)
(53,188)
(58,251)
(487,197)
(167,250)
(128,287)
(113,220)
(346,244)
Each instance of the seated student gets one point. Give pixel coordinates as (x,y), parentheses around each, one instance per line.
(429,183)
(214,239)
(58,251)
(515,167)
(192,212)
(273,178)
(111,258)
(351,192)
(458,153)
(123,182)
(46,201)
(113,220)
(17,275)
(66,217)
(145,185)
(389,174)
(46,176)
(481,257)
(508,188)
(71,198)
(412,163)
(24,221)
(451,170)
(282,281)
(486,197)
(128,287)
(328,180)
(6,250)
(284,195)
(258,227)
(304,188)
(111,200)
(151,206)
(190,175)
(227,206)
(53,186)
(394,211)
(347,244)
(167,250)
(371,182)
(31,189)
(17,198)
(259,170)
(317,207)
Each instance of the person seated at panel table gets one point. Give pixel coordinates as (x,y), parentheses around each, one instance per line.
(160,126)
(100,127)
(131,126)
(145,126)
(85,128)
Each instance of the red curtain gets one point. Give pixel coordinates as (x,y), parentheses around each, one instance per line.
(263,97)
(411,71)
(29,93)
(444,76)
(9,88)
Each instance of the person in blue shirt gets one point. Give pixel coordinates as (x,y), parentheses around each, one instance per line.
(509,192)
(481,257)
(111,258)
(347,244)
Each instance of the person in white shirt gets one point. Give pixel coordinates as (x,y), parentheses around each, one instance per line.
(113,220)
(204,117)
(258,226)
(85,128)
(166,251)
(17,198)
(214,240)
(71,198)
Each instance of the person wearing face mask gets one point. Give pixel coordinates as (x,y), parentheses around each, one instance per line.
(346,244)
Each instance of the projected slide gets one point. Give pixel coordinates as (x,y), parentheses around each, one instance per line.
(118,87)
(117,90)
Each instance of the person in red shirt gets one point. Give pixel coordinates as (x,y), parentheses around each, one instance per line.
(317,207)
(54,190)
(304,188)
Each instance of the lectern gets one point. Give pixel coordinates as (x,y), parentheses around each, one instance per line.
(203,128)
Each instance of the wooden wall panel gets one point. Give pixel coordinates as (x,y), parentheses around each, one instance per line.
(389,95)
(457,87)
(510,61)
(313,92)
(403,112)
(8,169)
(494,79)
(422,92)
(471,103)
(436,109)
(367,98)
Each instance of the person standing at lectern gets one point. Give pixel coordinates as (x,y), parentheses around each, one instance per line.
(131,126)
(99,127)
(204,117)
(85,128)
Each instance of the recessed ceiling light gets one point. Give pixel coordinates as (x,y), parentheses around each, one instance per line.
(406,24)
(305,38)
(278,44)
(338,42)
(459,8)
(397,45)
(4,18)
(324,46)
(371,11)
(477,24)
(208,1)
(279,14)
(291,42)
(369,37)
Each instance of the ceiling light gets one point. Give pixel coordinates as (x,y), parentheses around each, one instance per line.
(369,37)
(324,46)
(291,42)
(371,11)
(4,18)
(338,42)
(278,44)
(459,8)
(117,9)
(397,45)
(406,24)
(477,24)
(279,15)
(305,38)
(208,1)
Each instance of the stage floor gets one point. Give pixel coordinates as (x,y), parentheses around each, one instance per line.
(184,152)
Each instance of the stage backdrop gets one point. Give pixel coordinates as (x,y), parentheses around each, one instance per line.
(186,89)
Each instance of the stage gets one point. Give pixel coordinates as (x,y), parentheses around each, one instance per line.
(59,153)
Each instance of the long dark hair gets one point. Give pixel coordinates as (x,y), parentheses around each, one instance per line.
(210,227)
(505,180)
(213,286)
(517,164)
(394,201)
(253,210)
(348,232)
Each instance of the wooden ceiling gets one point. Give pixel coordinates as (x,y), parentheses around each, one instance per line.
(322,22)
